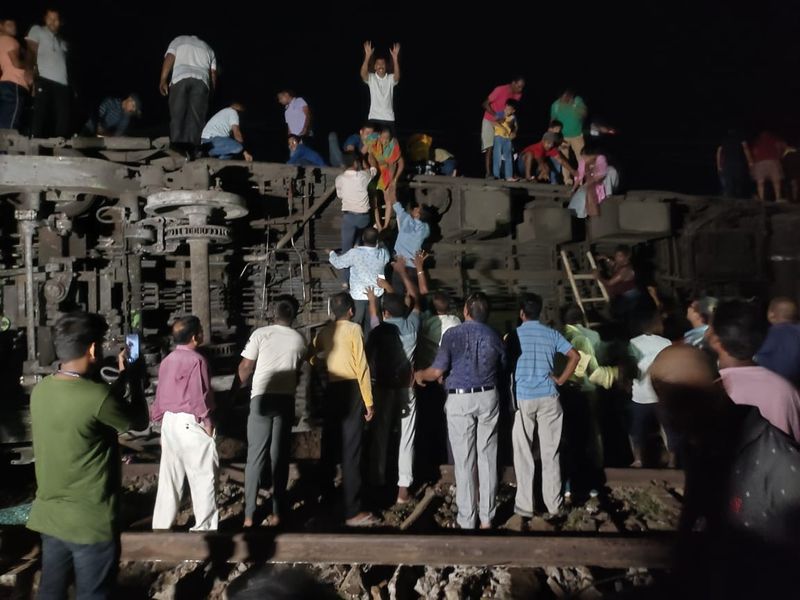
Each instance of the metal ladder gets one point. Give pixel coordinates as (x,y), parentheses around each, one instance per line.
(575,278)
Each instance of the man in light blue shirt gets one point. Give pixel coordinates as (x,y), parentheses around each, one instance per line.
(366,263)
(532,349)
(412,231)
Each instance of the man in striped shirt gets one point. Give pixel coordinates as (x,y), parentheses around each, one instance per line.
(532,349)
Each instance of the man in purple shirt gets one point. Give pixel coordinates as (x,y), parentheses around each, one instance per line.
(473,357)
(297,113)
(184,402)
(735,334)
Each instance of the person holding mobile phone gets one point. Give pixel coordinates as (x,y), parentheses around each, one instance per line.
(75,421)
(184,403)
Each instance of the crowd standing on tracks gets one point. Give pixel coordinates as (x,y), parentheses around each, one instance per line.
(722,405)
(719,398)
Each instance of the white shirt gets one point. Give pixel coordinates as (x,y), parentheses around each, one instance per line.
(381,94)
(351,188)
(644,349)
(278,351)
(221,124)
(51,56)
(193,58)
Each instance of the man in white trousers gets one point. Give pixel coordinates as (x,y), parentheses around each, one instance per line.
(184,402)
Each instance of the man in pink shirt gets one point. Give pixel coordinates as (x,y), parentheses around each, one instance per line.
(736,333)
(15,79)
(184,402)
(493,105)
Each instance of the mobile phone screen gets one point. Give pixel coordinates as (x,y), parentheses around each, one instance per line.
(132,342)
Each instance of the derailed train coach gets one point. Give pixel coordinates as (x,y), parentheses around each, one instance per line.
(125,228)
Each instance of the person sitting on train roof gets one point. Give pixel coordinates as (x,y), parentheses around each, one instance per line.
(222,135)
(549,161)
(114,115)
(301,155)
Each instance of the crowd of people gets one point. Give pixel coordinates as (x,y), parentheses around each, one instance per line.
(392,363)
(38,71)
(189,77)
(398,357)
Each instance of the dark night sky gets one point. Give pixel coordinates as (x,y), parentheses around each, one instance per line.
(672,76)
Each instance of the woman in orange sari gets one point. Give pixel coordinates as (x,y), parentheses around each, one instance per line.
(384,154)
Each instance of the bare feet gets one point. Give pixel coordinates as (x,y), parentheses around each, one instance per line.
(248,523)
(486,526)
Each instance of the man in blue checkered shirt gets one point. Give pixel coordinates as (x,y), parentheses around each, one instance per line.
(114,115)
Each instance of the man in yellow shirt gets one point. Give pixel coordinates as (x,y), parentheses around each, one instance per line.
(339,346)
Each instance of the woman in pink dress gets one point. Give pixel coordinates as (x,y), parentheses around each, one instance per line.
(591,187)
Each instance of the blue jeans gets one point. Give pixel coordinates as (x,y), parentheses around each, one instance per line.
(95,567)
(12,104)
(555,168)
(352,226)
(335,155)
(223,147)
(502,152)
(448,167)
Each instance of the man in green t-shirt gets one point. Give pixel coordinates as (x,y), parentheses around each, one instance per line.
(75,422)
(571,111)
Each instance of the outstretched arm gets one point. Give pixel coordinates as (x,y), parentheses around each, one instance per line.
(422,278)
(565,166)
(368,50)
(412,294)
(395,52)
(429,374)
(374,320)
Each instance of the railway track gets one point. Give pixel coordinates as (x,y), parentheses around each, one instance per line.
(415,541)
(412,550)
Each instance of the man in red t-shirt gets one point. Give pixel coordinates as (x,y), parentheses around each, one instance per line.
(766,152)
(493,105)
(548,159)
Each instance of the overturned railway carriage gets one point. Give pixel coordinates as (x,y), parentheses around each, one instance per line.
(123,227)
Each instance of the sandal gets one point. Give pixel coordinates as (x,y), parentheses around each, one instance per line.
(365,520)
(271,521)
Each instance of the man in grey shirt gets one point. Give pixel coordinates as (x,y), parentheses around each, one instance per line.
(193,65)
(47,52)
